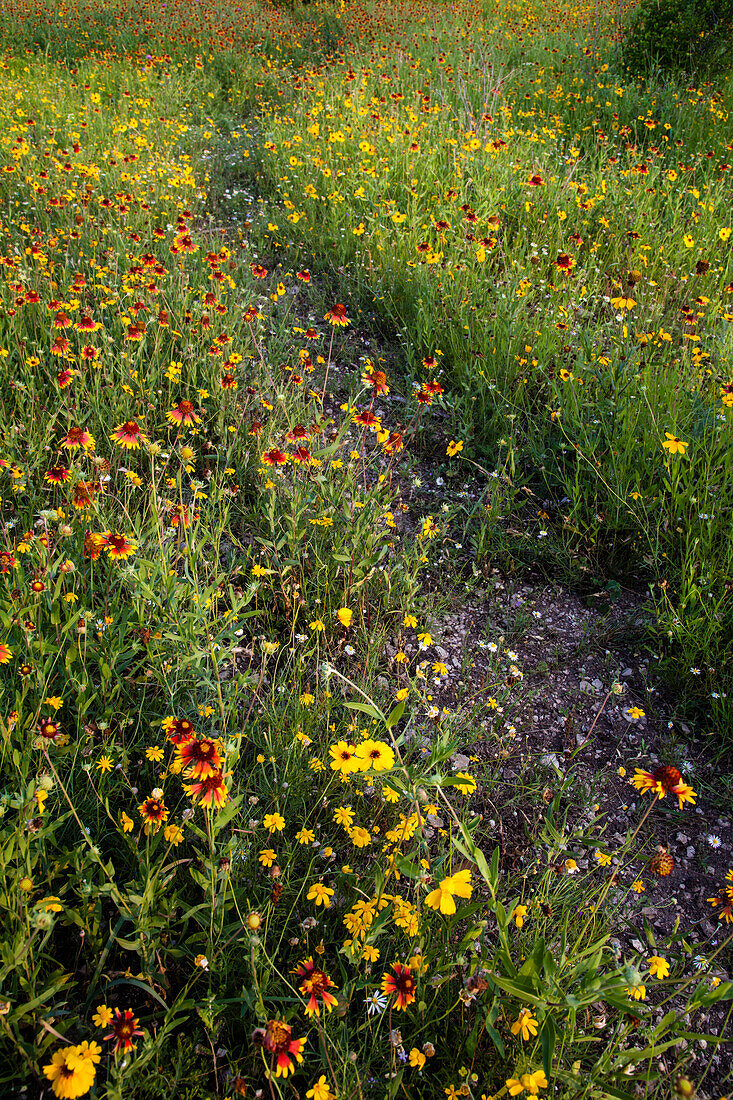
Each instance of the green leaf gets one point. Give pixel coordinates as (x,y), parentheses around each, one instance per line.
(548,1037)
(407,868)
(371,711)
(394,715)
(518,991)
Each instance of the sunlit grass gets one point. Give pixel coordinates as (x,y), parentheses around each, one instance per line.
(238,840)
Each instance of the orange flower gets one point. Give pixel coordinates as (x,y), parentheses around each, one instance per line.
(275,457)
(124,1030)
(564,263)
(49,730)
(78,437)
(210,791)
(84,493)
(377,379)
(367,419)
(315,984)
(661,863)
(183,414)
(337,316)
(277,1039)
(119,546)
(129,435)
(57,475)
(201,758)
(94,544)
(400,985)
(662,781)
(153,812)
(178,730)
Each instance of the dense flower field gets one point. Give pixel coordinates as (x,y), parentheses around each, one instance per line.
(259,266)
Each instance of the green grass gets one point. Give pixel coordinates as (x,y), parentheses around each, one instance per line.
(204,186)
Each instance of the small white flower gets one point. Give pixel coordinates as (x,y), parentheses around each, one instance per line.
(375,1002)
(713,841)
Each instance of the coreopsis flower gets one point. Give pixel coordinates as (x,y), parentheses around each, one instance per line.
(344,815)
(337,316)
(129,435)
(524,1025)
(375,755)
(638,991)
(416,1059)
(103,1016)
(442,898)
(519,913)
(321,894)
(321,1090)
(72,1070)
(278,1040)
(154,812)
(529,1082)
(658,967)
(454,447)
(344,616)
(662,781)
(674,444)
(199,758)
(317,986)
(173,835)
(183,414)
(464,782)
(274,823)
(210,791)
(124,1028)
(400,986)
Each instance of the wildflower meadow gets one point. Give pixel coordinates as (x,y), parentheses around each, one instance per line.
(318,321)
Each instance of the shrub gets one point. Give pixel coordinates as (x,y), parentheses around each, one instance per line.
(679,35)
